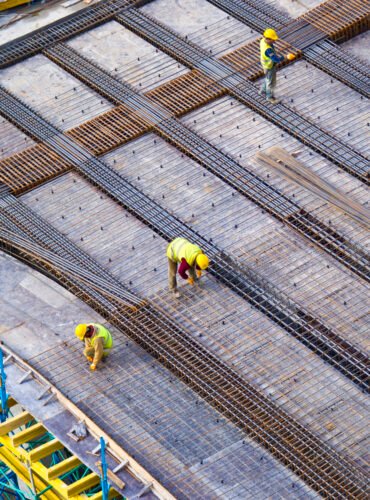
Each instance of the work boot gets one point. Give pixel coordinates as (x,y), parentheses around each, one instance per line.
(176,294)
(273,100)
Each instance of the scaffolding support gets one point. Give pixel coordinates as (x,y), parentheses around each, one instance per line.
(3,394)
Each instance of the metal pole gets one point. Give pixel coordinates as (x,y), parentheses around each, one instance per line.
(104,480)
(3,394)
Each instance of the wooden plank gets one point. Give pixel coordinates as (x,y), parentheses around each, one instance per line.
(296,171)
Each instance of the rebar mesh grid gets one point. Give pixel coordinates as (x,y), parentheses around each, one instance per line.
(232,330)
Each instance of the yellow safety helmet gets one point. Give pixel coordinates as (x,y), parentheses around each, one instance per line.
(80,331)
(271,34)
(202,261)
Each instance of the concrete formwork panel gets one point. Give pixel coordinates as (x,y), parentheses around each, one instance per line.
(202,23)
(127,56)
(55,94)
(12,139)
(359,46)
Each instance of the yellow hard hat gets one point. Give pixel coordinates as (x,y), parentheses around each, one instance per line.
(202,261)
(271,34)
(290,57)
(80,331)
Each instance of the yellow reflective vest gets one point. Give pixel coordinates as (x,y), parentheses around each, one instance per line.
(266,62)
(180,248)
(101,332)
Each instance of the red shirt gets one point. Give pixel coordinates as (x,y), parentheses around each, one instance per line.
(183,267)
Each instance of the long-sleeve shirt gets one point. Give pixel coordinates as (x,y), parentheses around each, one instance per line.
(273,56)
(183,267)
(98,348)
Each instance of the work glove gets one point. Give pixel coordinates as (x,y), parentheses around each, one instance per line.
(199,273)
(191,281)
(93,367)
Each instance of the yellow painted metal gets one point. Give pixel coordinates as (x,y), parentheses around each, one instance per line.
(45,450)
(23,462)
(22,473)
(111,494)
(63,467)
(28,434)
(59,486)
(9,4)
(83,484)
(13,423)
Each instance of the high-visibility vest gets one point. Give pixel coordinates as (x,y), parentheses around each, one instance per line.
(180,248)
(102,332)
(267,62)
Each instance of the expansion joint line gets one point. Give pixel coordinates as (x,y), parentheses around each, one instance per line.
(257,291)
(319,465)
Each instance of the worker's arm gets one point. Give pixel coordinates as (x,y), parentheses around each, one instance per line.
(99,349)
(272,55)
(183,267)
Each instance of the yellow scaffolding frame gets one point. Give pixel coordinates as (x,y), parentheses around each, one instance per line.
(28,467)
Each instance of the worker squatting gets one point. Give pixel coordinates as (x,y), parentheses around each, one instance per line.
(184,258)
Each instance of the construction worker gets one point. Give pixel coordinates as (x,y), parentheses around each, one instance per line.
(269,61)
(98,342)
(189,257)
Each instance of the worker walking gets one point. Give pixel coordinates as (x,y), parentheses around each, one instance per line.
(269,61)
(187,258)
(98,342)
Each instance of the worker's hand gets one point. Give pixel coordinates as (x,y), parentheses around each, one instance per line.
(290,57)
(89,359)
(93,367)
(191,281)
(199,273)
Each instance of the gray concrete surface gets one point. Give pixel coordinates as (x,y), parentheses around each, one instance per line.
(198,454)
(26,19)
(128,56)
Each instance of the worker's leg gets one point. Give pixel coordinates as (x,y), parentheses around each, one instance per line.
(263,86)
(270,82)
(172,270)
(273,81)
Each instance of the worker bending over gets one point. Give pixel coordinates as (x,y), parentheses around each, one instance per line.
(269,61)
(98,342)
(188,258)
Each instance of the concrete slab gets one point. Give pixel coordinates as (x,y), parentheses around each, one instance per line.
(127,56)
(359,46)
(12,139)
(55,94)
(25,19)
(202,23)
